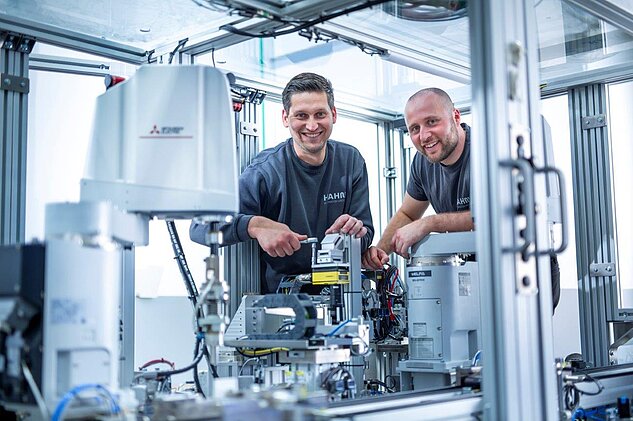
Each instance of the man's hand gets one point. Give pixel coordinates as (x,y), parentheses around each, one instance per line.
(408,235)
(374,258)
(276,239)
(347,224)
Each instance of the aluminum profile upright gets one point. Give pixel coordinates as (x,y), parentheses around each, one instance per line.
(519,381)
(14,90)
(595,230)
(241,261)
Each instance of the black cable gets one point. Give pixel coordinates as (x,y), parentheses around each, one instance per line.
(236,31)
(596,382)
(380,383)
(179,255)
(181,44)
(187,368)
(190,285)
(196,378)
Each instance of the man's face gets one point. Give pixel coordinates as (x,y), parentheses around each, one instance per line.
(433,128)
(310,121)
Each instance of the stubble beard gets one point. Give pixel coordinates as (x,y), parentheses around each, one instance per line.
(449,143)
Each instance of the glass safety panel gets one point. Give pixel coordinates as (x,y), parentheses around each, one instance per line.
(358,78)
(577,46)
(137,23)
(620,102)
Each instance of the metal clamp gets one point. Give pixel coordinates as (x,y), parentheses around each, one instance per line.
(594,121)
(14,83)
(528,203)
(390,172)
(602,269)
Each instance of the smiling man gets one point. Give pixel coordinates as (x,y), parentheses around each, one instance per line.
(307,186)
(440,176)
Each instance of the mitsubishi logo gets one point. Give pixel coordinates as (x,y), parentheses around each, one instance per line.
(154,130)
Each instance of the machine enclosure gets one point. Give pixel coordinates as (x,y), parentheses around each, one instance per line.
(159,144)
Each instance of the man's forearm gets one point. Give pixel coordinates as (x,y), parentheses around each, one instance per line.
(399,220)
(257,223)
(450,222)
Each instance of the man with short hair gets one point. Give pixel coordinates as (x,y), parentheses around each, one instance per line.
(440,176)
(307,186)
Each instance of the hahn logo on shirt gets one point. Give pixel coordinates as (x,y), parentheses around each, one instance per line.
(333,197)
(463,203)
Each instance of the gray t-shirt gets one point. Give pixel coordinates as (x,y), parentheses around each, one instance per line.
(447,187)
(281,187)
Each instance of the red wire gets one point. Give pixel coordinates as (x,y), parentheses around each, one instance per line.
(157,361)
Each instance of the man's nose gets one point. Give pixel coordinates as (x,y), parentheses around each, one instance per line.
(312,124)
(424,135)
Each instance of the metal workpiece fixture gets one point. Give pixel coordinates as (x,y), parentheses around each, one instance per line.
(212,305)
(305,315)
(337,265)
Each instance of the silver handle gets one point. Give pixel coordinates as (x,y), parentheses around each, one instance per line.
(563,208)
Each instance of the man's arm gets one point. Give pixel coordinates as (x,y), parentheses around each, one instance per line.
(275,238)
(410,234)
(410,210)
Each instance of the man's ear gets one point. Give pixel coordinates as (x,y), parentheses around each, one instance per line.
(457,116)
(284,118)
(333,115)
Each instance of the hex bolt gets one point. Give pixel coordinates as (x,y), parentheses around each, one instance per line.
(7,81)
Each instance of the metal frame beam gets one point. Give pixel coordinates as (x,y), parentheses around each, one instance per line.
(593,207)
(53,35)
(67,65)
(241,261)
(14,90)
(512,236)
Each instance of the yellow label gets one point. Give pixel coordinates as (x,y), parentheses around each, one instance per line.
(329,278)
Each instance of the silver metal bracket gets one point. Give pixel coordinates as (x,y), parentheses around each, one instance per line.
(591,122)
(14,83)
(390,172)
(248,129)
(17,42)
(602,269)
